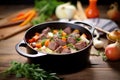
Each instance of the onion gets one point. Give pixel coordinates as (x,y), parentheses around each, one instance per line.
(112,51)
(114,35)
(65,11)
(114,13)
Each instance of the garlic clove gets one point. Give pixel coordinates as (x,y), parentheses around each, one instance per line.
(98,43)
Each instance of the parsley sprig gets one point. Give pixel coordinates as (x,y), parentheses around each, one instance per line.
(45,9)
(30,71)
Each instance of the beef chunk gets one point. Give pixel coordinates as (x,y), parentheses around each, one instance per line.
(45,31)
(60,42)
(59,49)
(55,37)
(66,50)
(53,45)
(71,40)
(67,30)
(80,45)
(42,36)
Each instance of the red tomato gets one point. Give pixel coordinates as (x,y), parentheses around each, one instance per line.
(112,51)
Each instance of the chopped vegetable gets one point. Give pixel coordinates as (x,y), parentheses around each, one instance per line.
(63,33)
(84,35)
(55,31)
(38,45)
(47,42)
(76,31)
(64,46)
(29,71)
(64,39)
(71,46)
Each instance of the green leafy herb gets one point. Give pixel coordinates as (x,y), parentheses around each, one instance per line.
(60,33)
(78,39)
(45,9)
(71,46)
(30,71)
(104,57)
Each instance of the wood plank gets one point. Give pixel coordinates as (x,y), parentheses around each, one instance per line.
(8,31)
(94,74)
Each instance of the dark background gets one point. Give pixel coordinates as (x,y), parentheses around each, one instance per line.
(27,2)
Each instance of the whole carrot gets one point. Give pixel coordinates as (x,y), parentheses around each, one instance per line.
(28,19)
(22,16)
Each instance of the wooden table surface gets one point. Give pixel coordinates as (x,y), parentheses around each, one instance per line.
(98,70)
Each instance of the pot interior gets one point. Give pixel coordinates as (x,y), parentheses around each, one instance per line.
(57,25)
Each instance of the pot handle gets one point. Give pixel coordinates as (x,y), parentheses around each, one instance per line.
(89,27)
(23,44)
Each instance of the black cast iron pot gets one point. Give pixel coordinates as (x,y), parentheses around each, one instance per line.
(59,63)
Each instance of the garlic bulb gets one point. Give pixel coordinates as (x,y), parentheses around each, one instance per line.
(65,11)
(97,43)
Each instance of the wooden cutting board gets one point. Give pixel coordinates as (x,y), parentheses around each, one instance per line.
(8,29)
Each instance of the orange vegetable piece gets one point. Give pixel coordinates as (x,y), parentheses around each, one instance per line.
(37,33)
(64,46)
(55,31)
(64,39)
(31,40)
(47,42)
(38,45)
(63,33)
(36,37)
(76,31)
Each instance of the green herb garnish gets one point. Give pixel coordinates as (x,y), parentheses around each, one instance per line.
(30,71)
(71,46)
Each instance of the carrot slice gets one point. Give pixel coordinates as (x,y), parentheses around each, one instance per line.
(31,40)
(47,42)
(63,33)
(76,31)
(38,45)
(55,31)
(36,37)
(64,39)
(65,46)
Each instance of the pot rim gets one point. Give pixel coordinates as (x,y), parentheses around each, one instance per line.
(90,43)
